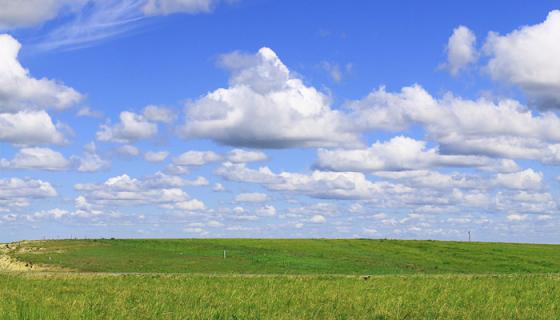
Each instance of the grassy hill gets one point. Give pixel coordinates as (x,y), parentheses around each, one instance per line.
(294,256)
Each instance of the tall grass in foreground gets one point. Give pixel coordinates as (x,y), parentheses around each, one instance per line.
(82,296)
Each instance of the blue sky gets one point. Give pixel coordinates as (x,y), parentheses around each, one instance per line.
(245,118)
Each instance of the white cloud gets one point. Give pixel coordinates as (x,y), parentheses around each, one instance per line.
(159,114)
(198,182)
(162,180)
(52,213)
(240,155)
(214,224)
(156,156)
(266,106)
(190,205)
(526,201)
(318,219)
(528,58)
(91,161)
(461,50)
(503,129)
(302,211)
(17,192)
(241,214)
(25,13)
(246,217)
(17,187)
(83,210)
(198,231)
(100,20)
(399,153)
(460,220)
(396,111)
(266,211)
(196,158)
(128,150)
(132,127)
(318,184)
(504,146)
(422,191)
(251,197)
(517,217)
(470,198)
(88,112)
(161,190)
(23,100)
(524,180)
(176,169)
(239,172)
(436,180)
(165,7)
(218,187)
(81,203)
(335,71)
(37,158)
(380,216)
(356,207)
(370,231)
(19,91)
(435,192)
(97,20)
(29,128)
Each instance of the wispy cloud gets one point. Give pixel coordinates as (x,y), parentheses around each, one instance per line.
(92,21)
(97,21)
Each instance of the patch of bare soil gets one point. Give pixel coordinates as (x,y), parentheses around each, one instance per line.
(8,263)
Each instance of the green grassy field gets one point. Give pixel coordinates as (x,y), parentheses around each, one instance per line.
(274,297)
(263,256)
(282,279)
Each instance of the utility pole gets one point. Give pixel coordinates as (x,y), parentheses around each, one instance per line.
(469,236)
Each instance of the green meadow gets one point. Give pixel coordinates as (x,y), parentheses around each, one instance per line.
(292,256)
(281,279)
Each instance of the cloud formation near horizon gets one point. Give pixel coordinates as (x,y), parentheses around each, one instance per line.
(272,151)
